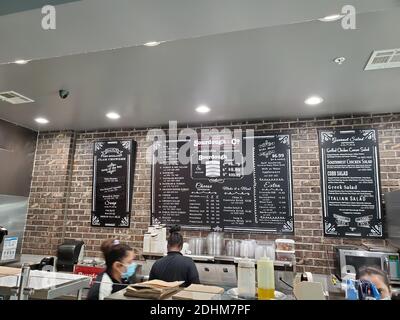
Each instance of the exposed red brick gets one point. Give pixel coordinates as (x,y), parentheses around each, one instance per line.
(59,205)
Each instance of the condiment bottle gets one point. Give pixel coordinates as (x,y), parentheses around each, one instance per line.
(246,279)
(266,279)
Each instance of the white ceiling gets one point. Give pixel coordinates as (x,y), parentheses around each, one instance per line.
(94,25)
(279,56)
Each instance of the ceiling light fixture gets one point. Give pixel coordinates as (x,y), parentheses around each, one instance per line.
(21,61)
(113,115)
(152,43)
(42,120)
(203,109)
(332,17)
(314,100)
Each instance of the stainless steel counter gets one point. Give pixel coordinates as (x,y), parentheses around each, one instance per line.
(207,258)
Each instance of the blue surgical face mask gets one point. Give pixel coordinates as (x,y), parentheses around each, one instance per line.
(130,271)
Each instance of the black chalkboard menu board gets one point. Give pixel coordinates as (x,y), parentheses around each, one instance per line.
(350,183)
(248,191)
(113,172)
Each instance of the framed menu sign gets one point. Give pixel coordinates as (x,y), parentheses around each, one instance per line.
(351,183)
(251,191)
(113,172)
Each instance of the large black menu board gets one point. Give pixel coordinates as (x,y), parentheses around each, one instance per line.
(113,172)
(350,183)
(248,191)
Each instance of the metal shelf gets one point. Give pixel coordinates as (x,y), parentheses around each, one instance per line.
(287,264)
(153,254)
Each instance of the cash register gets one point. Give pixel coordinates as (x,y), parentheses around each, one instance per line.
(70,253)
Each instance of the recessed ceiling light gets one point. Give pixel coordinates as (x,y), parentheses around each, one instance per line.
(21,61)
(314,100)
(152,43)
(332,17)
(203,109)
(42,120)
(113,115)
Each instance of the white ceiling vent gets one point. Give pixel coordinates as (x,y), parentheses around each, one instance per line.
(384,59)
(14,97)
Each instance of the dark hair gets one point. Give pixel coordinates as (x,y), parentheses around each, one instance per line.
(175,239)
(114,251)
(367,271)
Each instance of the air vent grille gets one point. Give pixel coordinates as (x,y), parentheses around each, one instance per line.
(14,97)
(384,59)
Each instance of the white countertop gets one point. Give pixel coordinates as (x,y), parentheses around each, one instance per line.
(42,280)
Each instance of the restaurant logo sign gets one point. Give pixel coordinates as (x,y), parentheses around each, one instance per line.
(111,152)
(204,147)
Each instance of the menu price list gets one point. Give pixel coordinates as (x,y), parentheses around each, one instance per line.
(273,183)
(174,192)
(350,183)
(215,193)
(113,172)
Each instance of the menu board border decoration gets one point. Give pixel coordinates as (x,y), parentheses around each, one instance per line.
(377,231)
(287,228)
(131,146)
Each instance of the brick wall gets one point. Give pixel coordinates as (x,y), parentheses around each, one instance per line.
(51,218)
(49,193)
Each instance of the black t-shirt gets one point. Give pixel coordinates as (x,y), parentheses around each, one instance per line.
(103,286)
(175,267)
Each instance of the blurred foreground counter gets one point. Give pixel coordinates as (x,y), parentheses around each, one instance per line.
(16,284)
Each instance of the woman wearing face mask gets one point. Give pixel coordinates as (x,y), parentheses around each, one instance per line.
(379,278)
(119,268)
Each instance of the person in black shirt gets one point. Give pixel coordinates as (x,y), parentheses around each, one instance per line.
(175,267)
(119,268)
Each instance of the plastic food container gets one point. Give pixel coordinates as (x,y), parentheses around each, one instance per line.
(265,249)
(196,246)
(284,244)
(247,248)
(285,255)
(215,243)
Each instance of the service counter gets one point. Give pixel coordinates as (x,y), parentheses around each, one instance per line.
(120,295)
(41,284)
(222,270)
